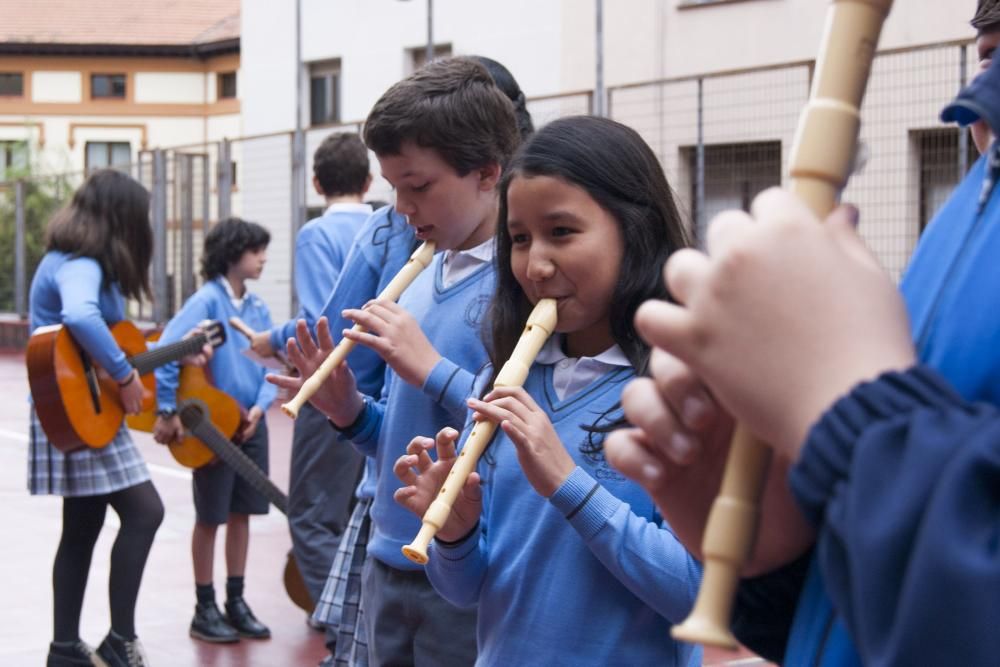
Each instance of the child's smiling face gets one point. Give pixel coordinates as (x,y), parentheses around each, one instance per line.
(566,247)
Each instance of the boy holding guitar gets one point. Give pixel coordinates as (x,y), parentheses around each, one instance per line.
(235,251)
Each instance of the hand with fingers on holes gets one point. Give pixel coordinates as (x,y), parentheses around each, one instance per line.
(424,476)
(677,449)
(338,397)
(542,455)
(396,337)
(782,315)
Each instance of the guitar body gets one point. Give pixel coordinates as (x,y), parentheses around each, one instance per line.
(223,411)
(71,415)
(295,586)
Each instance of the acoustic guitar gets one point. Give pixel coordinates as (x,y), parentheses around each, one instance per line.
(196,416)
(77,402)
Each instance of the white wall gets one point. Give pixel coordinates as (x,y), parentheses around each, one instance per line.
(171,87)
(56,87)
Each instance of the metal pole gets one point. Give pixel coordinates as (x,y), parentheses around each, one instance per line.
(224,186)
(699,183)
(963,133)
(20,269)
(161,304)
(186,178)
(429,55)
(298,159)
(599,94)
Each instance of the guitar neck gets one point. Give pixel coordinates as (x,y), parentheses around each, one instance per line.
(234,457)
(146,362)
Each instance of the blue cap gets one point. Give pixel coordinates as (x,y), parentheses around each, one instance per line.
(978,100)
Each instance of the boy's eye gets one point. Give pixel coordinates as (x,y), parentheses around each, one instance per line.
(561,231)
(519,238)
(422,188)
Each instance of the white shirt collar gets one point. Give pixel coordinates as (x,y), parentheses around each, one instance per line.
(569,374)
(235,300)
(348,207)
(458,264)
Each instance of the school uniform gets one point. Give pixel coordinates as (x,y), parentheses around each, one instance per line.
(236,375)
(405,619)
(589,576)
(322,474)
(71,291)
(382,247)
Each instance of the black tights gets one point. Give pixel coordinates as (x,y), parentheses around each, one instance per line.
(140,510)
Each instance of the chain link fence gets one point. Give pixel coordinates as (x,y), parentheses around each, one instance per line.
(721,137)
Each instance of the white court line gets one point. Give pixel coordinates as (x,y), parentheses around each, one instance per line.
(154,467)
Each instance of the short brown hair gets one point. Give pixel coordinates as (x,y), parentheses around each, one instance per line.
(987,16)
(340,165)
(452,106)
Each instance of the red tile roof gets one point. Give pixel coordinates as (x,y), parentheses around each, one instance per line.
(119,22)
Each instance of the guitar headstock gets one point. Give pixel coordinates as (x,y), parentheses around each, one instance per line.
(213,331)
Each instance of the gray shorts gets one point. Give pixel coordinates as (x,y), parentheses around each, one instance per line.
(219,491)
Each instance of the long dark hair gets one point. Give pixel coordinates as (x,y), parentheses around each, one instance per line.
(619,171)
(108,220)
(508,85)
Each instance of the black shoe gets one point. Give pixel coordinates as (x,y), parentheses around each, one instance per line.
(209,625)
(116,651)
(240,617)
(73,654)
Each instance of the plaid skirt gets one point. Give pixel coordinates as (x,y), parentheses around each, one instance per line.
(340,603)
(85,472)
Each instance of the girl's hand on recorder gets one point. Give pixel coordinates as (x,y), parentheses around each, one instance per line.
(424,477)
(396,337)
(544,459)
(338,397)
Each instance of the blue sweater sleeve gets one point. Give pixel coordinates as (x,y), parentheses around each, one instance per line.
(314,277)
(456,571)
(647,558)
(450,385)
(79,283)
(167,376)
(902,477)
(365,430)
(266,392)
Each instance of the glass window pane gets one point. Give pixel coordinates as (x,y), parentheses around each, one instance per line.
(107,85)
(227,85)
(12,84)
(97,154)
(318,109)
(121,153)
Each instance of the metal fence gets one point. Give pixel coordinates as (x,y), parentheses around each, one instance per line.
(721,137)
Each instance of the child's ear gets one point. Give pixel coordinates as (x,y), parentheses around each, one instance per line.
(489,176)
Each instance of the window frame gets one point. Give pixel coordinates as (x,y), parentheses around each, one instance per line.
(110,76)
(17,95)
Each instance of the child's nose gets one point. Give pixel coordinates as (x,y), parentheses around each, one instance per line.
(540,268)
(404,205)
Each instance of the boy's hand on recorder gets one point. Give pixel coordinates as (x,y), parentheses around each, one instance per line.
(544,459)
(393,333)
(677,452)
(424,477)
(338,397)
(782,316)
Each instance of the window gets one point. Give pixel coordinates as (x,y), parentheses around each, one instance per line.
(108,154)
(417,57)
(107,86)
(226,85)
(734,174)
(941,168)
(11,84)
(324,92)
(13,155)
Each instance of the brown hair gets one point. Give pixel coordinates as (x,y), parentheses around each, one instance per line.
(987,17)
(340,164)
(452,106)
(108,220)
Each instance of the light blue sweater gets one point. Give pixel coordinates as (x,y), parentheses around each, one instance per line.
(452,320)
(232,372)
(590,576)
(69,291)
(381,248)
(321,247)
